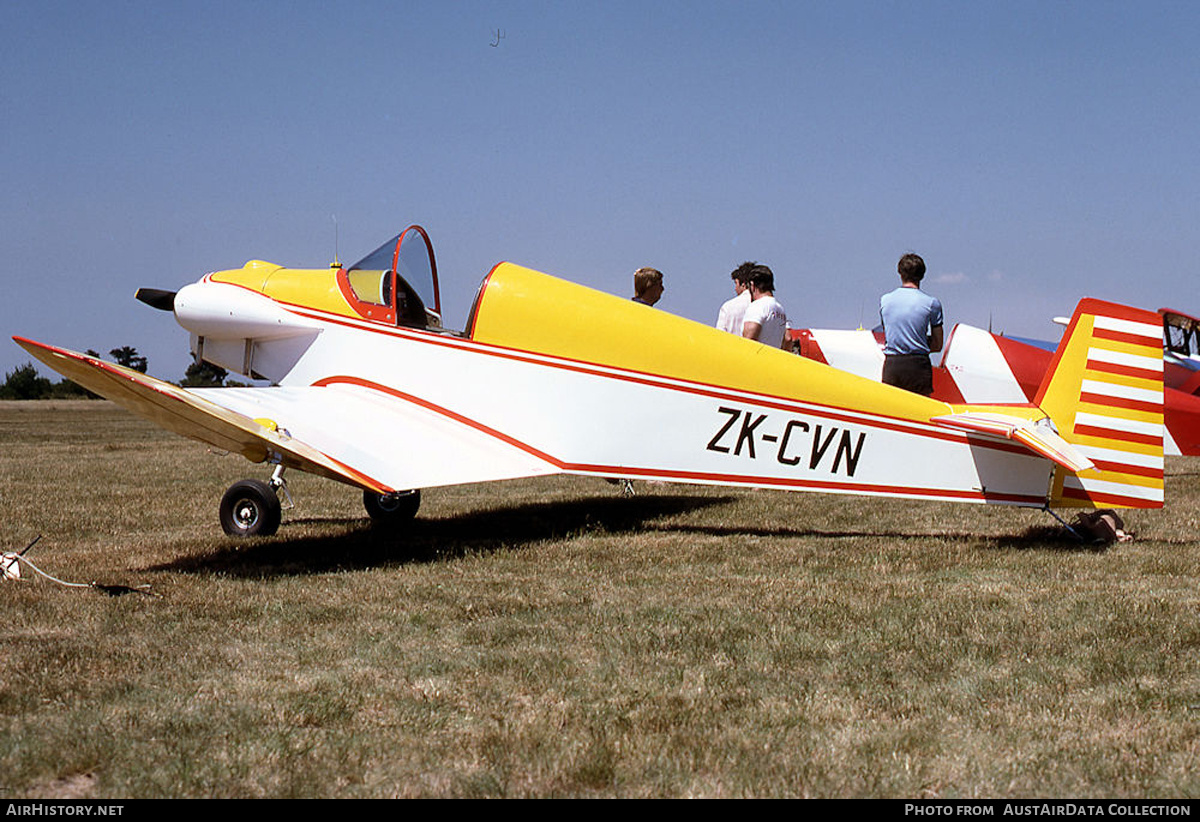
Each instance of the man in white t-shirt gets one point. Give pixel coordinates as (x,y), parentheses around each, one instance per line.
(765,319)
(729,318)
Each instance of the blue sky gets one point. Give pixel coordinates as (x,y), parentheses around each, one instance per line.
(1033,152)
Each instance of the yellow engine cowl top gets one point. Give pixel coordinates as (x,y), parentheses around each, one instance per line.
(316,288)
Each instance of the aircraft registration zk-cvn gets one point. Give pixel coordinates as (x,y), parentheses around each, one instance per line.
(551,377)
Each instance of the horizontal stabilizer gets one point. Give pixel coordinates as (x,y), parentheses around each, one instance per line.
(1036,435)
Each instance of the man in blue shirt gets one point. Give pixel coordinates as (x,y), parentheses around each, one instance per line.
(912,325)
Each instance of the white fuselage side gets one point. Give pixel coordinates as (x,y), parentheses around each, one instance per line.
(486,412)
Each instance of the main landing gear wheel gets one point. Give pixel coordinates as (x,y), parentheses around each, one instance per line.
(250,509)
(391,509)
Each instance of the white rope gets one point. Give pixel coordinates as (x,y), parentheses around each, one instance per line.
(54,579)
(112,590)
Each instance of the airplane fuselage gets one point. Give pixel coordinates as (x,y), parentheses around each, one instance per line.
(686,404)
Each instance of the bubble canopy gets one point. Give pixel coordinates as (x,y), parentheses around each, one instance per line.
(409,255)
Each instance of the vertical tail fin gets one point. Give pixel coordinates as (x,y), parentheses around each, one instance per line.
(1104,393)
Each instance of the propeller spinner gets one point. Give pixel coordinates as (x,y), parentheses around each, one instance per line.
(157,298)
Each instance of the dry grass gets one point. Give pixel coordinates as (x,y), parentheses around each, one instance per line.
(553,638)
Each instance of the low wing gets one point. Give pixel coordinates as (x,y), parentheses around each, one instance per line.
(379,442)
(394,439)
(184,412)
(1039,438)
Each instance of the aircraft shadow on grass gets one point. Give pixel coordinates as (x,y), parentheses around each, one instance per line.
(434,540)
(521,526)
(1046,538)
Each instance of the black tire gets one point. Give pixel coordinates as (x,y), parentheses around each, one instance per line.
(250,509)
(391,509)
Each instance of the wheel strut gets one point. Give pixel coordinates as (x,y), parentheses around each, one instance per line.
(279,484)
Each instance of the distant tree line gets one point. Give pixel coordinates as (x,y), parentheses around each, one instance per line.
(23,382)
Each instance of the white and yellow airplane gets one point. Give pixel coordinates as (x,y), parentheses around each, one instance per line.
(550,377)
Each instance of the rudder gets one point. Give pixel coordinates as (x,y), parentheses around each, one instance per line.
(1104,393)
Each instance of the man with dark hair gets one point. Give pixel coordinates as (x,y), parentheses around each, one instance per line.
(647,285)
(912,326)
(729,318)
(765,319)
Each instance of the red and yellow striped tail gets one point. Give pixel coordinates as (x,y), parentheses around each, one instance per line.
(1104,393)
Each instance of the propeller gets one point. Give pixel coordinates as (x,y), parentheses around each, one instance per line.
(157,298)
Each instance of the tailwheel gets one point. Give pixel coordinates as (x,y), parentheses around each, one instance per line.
(392,509)
(250,509)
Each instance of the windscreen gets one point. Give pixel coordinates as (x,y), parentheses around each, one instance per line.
(409,254)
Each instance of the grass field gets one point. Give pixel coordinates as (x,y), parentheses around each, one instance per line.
(551,637)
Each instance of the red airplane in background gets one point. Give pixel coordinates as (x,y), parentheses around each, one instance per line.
(978,366)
